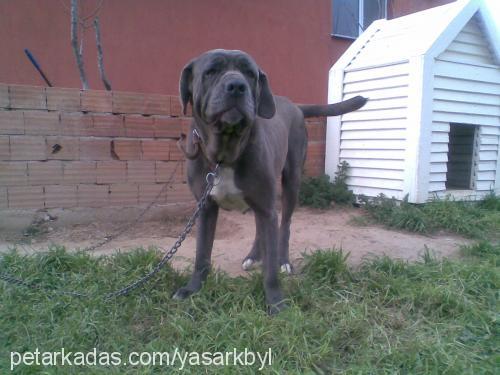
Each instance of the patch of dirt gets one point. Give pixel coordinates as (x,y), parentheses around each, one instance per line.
(311,230)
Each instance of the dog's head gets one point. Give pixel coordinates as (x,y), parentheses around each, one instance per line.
(226,90)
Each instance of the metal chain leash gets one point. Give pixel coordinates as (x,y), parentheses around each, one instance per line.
(125,228)
(210,178)
(211,182)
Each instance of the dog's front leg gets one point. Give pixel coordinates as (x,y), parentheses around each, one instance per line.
(267,221)
(204,242)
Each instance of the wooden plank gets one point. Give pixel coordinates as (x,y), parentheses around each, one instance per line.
(486,165)
(440,126)
(440,137)
(373,134)
(373,144)
(438,168)
(467,86)
(489,130)
(396,113)
(373,124)
(437,186)
(385,164)
(382,72)
(380,93)
(466,108)
(373,154)
(488,155)
(469,48)
(472,38)
(485,185)
(457,57)
(376,173)
(490,147)
(466,97)
(466,72)
(375,84)
(435,177)
(385,103)
(439,147)
(376,183)
(439,157)
(373,192)
(472,28)
(486,176)
(465,118)
(488,139)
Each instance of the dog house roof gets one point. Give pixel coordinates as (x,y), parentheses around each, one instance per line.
(428,32)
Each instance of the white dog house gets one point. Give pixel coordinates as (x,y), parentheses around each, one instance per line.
(432,124)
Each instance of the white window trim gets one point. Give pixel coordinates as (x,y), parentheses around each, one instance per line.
(360,21)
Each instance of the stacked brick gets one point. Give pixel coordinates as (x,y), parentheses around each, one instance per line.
(316,147)
(68,148)
(63,148)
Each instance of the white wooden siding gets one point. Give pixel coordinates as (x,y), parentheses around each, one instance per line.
(469,47)
(466,90)
(421,72)
(373,139)
(403,37)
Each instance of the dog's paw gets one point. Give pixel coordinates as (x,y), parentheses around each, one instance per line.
(276,308)
(249,264)
(286,268)
(182,293)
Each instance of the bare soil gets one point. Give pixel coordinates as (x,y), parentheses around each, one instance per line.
(311,230)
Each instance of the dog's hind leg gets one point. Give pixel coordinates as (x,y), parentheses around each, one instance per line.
(204,242)
(290,185)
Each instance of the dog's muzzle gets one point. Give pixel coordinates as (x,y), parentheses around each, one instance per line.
(231,101)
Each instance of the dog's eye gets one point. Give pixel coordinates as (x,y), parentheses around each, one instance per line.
(210,72)
(250,74)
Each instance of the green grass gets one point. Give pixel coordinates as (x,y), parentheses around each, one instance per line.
(477,220)
(319,192)
(388,317)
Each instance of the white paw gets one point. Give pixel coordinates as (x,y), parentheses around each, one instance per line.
(248,264)
(286,268)
(177,297)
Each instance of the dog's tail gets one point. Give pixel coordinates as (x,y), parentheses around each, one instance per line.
(335,109)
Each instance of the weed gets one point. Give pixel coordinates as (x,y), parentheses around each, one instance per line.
(327,267)
(490,202)
(319,192)
(471,219)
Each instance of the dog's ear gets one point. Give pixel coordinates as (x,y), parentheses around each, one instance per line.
(265,100)
(186,86)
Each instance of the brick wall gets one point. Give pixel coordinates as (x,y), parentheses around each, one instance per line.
(72,148)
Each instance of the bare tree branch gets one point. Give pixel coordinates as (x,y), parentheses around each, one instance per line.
(100,63)
(74,43)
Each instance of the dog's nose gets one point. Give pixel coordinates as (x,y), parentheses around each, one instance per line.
(236,87)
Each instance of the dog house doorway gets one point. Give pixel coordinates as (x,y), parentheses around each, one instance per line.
(462,157)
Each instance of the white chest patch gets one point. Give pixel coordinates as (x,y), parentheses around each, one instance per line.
(226,194)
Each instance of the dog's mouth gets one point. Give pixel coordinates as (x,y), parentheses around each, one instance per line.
(229,138)
(231,117)
(228,134)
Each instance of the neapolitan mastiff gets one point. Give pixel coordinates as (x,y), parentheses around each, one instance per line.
(254,137)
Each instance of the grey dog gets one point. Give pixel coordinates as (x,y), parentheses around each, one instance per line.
(255,138)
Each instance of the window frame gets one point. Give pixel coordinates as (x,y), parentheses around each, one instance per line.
(360,20)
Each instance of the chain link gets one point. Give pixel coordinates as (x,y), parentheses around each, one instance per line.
(211,177)
(125,228)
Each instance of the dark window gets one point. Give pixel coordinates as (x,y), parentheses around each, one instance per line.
(352,17)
